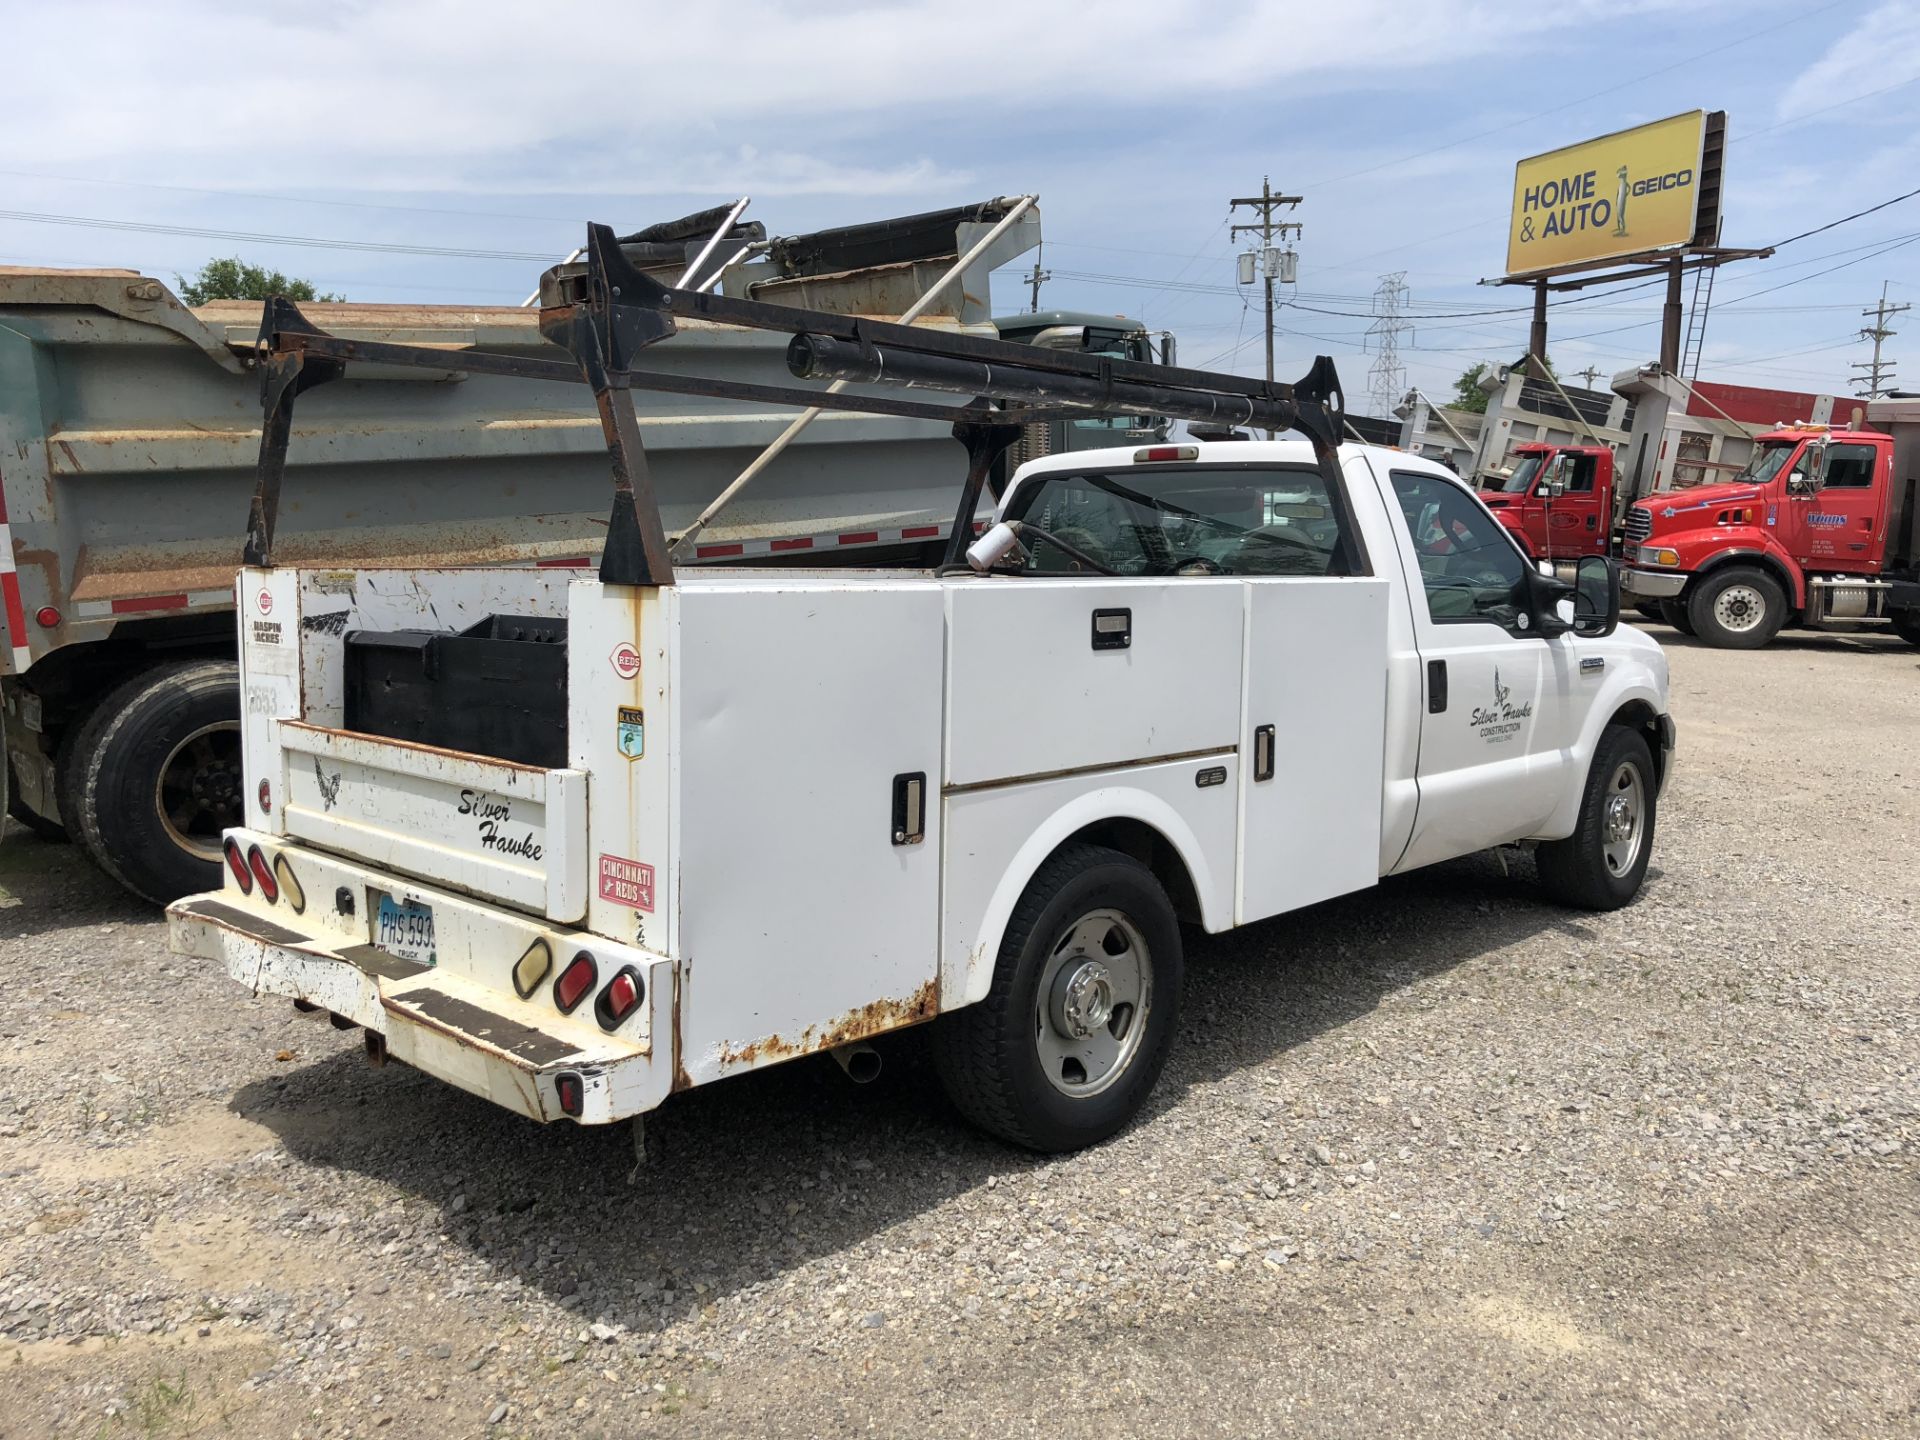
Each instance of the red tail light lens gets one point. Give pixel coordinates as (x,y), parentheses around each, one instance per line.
(237,863)
(266,796)
(576,982)
(568,1087)
(262,872)
(620,999)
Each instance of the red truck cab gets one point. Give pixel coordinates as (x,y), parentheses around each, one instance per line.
(1801,536)
(1557,500)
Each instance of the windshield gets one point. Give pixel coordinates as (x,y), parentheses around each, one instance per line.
(1768,461)
(1521,478)
(1184,520)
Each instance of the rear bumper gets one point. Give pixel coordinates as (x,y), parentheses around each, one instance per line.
(462,1019)
(1651,584)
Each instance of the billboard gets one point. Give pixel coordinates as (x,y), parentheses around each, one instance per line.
(1623,194)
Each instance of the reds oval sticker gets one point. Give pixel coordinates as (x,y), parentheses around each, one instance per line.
(265,602)
(626,660)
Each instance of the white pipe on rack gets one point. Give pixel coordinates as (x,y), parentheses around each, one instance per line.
(806,417)
(713,240)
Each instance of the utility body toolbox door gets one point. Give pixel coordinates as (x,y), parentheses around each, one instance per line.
(1316,693)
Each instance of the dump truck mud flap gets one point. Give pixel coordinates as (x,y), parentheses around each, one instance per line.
(450,1027)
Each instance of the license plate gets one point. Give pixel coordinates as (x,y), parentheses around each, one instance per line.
(405,929)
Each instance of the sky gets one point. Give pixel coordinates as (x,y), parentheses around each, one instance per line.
(342,139)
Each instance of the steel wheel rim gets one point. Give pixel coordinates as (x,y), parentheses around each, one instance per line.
(1090,1013)
(1740,608)
(1623,818)
(198,794)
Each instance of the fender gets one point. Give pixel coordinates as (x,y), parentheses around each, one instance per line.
(1773,559)
(1630,682)
(967,961)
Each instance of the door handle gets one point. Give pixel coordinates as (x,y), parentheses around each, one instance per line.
(1436,686)
(1263,752)
(1593,522)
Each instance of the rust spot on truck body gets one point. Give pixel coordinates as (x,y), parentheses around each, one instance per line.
(876,1017)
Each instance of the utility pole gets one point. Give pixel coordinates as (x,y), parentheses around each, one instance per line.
(1038,277)
(1590,374)
(1879,376)
(1269,262)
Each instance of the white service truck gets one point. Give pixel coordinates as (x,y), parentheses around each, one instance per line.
(575,842)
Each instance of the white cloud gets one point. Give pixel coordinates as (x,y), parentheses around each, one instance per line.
(1879,50)
(459,95)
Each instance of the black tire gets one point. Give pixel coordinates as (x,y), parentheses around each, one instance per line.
(989,1055)
(1576,871)
(1906,624)
(1650,610)
(1674,612)
(1756,594)
(177,724)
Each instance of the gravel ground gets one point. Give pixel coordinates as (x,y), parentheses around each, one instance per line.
(1436,1159)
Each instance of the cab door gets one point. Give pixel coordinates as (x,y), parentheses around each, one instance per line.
(1497,723)
(1839,524)
(1573,523)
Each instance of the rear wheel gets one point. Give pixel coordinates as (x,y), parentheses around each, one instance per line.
(1739,608)
(1601,865)
(1071,1037)
(1674,612)
(155,776)
(1906,624)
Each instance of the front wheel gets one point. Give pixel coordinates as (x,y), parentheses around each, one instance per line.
(1739,608)
(1071,1037)
(1674,612)
(1601,865)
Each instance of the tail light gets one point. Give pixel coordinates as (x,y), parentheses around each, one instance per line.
(263,872)
(576,982)
(237,863)
(620,999)
(1166,452)
(266,797)
(531,968)
(571,1091)
(290,885)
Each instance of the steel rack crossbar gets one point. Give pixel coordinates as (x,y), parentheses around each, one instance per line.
(605,313)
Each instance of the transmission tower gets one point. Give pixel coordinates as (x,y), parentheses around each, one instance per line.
(1879,376)
(1387,380)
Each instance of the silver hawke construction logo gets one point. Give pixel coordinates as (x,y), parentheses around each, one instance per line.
(1501,721)
(329,788)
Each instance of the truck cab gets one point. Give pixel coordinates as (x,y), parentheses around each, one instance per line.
(1807,534)
(1557,499)
(1086,332)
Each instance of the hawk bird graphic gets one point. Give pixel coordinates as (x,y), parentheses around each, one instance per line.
(1500,693)
(329,789)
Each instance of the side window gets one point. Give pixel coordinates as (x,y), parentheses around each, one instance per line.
(1849,467)
(1470,569)
(1580,474)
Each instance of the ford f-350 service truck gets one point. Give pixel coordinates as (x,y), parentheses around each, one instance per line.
(574,842)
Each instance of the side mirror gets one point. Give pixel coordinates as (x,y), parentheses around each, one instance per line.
(1556,488)
(1596,595)
(1545,596)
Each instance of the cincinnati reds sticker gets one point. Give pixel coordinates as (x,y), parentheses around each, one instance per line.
(265,602)
(626,882)
(626,660)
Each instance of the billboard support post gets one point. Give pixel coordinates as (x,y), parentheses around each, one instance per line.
(1670,320)
(1537,340)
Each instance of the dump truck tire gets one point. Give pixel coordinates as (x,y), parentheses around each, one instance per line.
(156,777)
(1738,608)
(1068,1042)
(1906,624)
(1674,612)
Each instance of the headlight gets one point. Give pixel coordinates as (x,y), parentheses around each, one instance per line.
(1654,555)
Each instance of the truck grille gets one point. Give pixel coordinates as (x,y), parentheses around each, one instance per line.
(1639,525)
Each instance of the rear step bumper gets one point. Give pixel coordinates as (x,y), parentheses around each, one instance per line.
(521,1054)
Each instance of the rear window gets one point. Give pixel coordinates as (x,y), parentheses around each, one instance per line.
(1189,520)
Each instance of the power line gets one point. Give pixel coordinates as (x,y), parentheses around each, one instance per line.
(1871,209)
(246,237)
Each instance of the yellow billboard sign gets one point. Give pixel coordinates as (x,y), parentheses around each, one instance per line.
(1623,194)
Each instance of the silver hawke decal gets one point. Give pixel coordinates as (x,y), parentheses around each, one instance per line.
(329,789)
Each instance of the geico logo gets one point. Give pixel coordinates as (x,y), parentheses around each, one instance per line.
(1677,180)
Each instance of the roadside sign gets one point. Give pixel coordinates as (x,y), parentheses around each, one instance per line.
(1622,194)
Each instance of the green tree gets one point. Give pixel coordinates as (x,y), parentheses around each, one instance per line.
(1467,394)
(234,279)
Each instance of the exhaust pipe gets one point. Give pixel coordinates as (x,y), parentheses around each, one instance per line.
(861,1062)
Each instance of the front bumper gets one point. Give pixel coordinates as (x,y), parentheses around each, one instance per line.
(460,1018)
(1651,584)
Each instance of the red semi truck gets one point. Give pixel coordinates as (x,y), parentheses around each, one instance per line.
(1822,526)
(1557,500)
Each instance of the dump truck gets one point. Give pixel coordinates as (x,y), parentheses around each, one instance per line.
(577,841)
(130,432)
